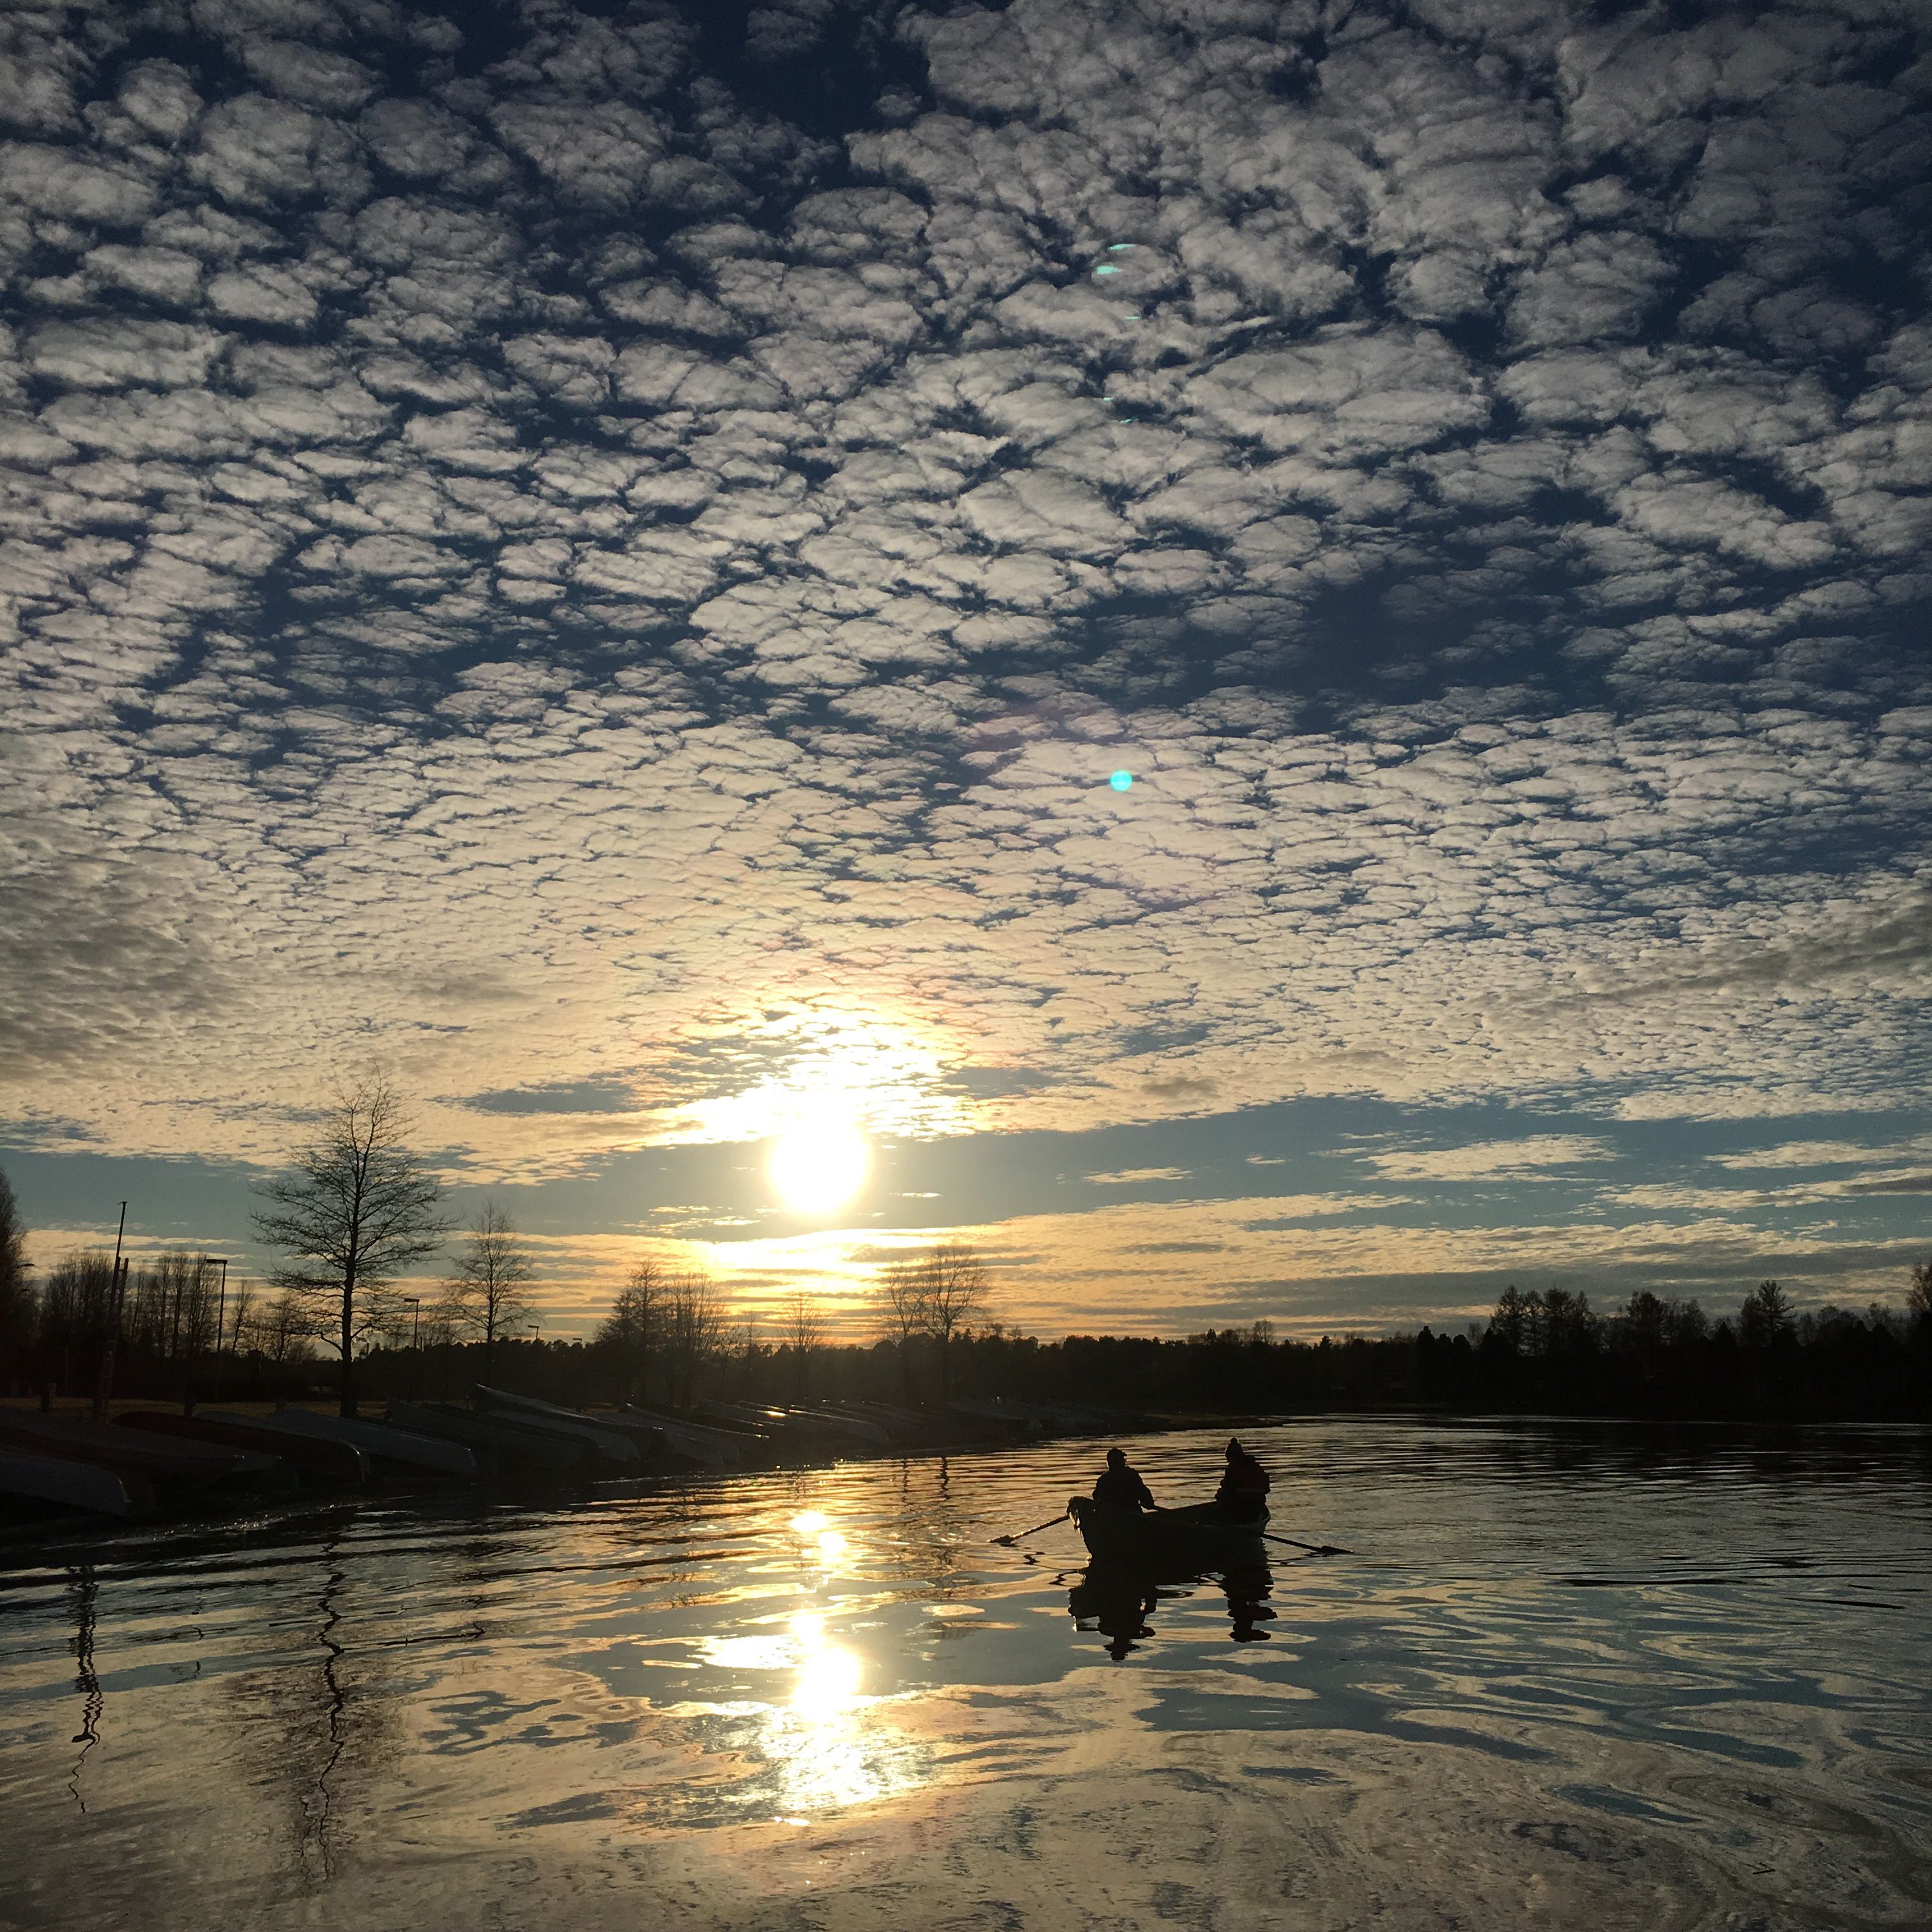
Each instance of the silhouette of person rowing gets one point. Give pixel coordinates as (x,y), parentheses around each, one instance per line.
(1242,1495)
(1120,1485)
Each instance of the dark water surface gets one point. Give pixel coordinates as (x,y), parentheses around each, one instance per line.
(1575,1675)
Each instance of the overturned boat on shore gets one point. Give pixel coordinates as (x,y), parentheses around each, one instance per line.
(172,1467)
(313,1458)
(59,1482)
(408,1451)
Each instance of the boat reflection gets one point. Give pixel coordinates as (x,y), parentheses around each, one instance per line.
(1118,1602)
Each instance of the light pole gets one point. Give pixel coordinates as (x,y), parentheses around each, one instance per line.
(103,1380)
(414,1302)
(220,1317)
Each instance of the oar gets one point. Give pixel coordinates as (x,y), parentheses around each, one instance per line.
(1313,1549)
(1009,1541)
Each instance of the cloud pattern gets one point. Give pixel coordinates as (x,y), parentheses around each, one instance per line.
(579,551)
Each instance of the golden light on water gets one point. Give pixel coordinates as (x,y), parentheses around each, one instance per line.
(816,1729)
(815,1526)
(828,1682)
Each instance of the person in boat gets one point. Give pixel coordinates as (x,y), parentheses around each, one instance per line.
(1242,1495)
(1120,1485)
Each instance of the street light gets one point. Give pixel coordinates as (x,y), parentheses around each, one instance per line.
(104,1380)
(220,1315)
(414,1302)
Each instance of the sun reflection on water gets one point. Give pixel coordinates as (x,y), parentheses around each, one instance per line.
(819,1734)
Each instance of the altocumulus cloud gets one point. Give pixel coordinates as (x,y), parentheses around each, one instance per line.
(529,548)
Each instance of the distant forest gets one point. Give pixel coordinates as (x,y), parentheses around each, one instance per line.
(184,1335)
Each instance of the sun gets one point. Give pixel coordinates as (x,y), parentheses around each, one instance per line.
(817,1165)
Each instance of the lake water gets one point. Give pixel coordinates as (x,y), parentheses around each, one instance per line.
(1590,1675)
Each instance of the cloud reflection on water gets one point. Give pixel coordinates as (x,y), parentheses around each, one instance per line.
(676,1705)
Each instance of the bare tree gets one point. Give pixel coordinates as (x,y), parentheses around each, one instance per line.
(355,1209)
(901,1311)
(802,1324)
(241,1307)
(174,1305)
(282,1330)
(696,1329)
(76,1314)
(1919,1296)
(487,1296)
(740,1346)
(17,1308)
(958,1289)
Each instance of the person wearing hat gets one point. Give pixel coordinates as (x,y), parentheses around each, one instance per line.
(1120,1485)
(1242,1495)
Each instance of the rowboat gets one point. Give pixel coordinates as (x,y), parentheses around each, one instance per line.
(517,1448)
(1186,1541)
(68,1484)
(421,1455)
(617,1447)
(339,1464)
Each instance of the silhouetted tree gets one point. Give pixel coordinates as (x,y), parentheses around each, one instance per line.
(957,1290)
(696,1331)
(487,1294)
(902,1314)
(282,1330)
(1765,1320)
(76,1313)
(1918,1320)
(632,1334)
(1919,1296)
(1510,1324)
(18,1307)
(354,1211)
(1568,1329)
(803,1328)
(241,1307)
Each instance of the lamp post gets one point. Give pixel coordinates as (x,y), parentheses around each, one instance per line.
(220,1317)
(103,1380)
(414,1303)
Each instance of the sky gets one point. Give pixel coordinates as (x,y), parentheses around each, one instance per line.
(1284,647)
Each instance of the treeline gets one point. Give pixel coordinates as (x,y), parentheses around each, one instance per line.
(1659,1354)
(175,1325)
(1549,1353)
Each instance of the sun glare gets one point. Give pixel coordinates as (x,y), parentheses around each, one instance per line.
(817,1166)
